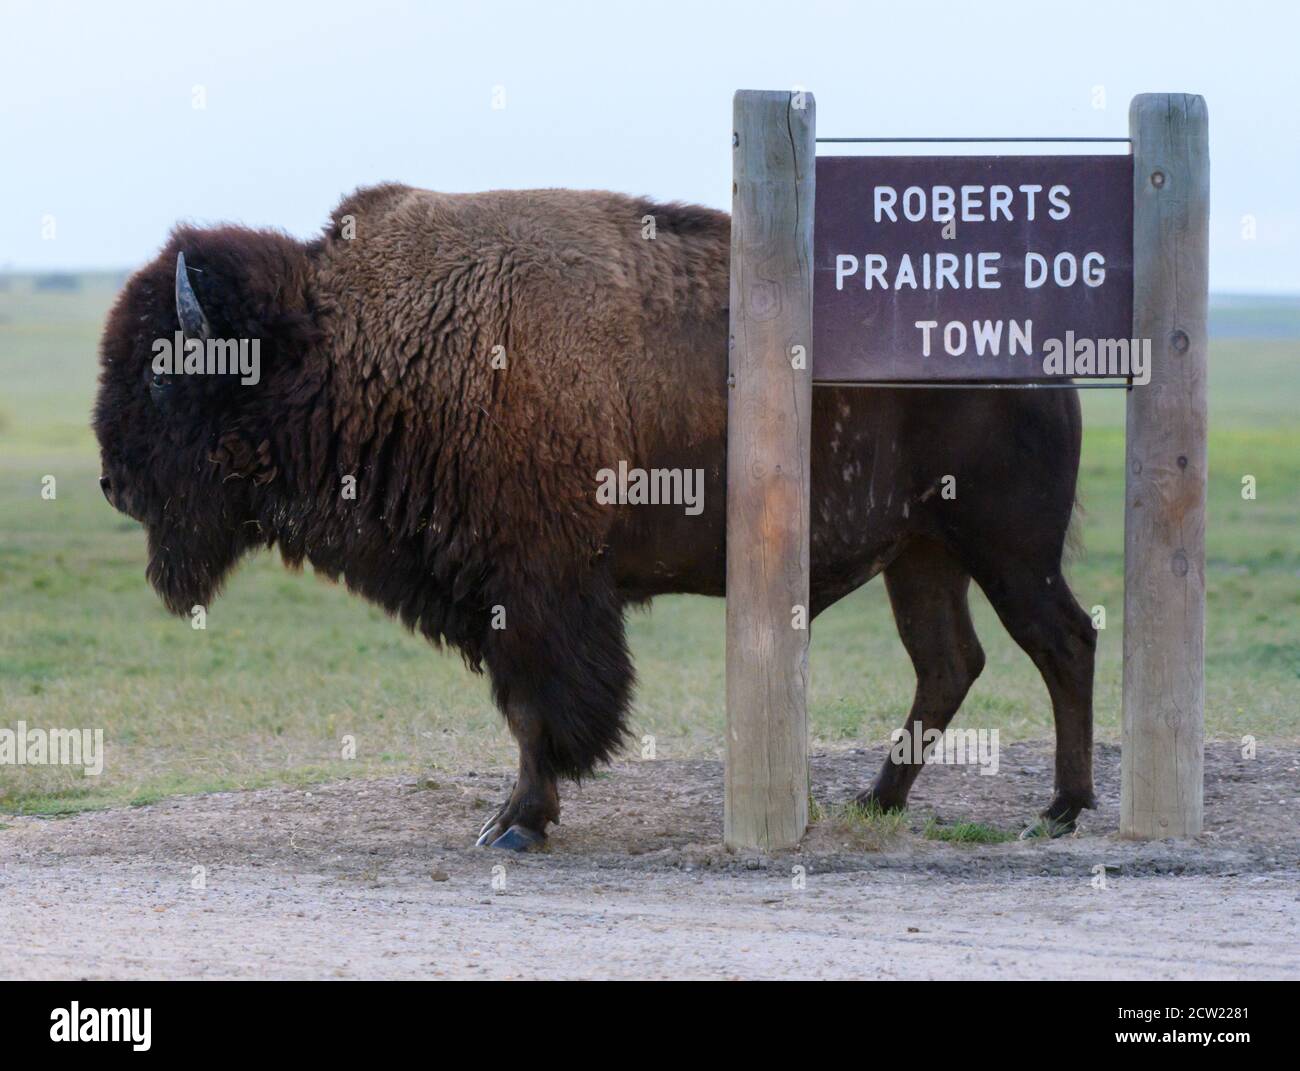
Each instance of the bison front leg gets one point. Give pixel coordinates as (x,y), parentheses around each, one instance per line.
(562,676)
(520,823)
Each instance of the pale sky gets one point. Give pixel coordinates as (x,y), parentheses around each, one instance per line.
(304,102)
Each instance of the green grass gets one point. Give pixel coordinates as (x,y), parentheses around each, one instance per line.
(869,828)
(967,833)
(289,664)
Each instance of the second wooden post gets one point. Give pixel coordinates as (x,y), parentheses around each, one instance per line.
(1161,787)
(768,452)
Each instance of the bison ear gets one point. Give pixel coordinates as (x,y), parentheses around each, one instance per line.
(188,310)
(236,458)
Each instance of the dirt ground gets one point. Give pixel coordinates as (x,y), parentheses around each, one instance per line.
(379,879)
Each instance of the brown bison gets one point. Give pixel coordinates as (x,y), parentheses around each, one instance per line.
(469,364)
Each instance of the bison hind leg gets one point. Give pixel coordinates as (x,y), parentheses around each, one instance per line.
(562,675)
(1036,606)
(927,593)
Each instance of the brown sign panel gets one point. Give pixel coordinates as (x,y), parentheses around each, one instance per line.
(951,268)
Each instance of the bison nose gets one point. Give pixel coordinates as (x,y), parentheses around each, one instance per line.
(106,485)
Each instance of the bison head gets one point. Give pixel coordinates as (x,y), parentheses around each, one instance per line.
(189,439)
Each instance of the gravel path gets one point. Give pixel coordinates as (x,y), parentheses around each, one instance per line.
(376,879)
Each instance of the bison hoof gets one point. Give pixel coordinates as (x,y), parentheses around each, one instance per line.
(491,825)
(1050,828)
(1059,818)
(515,839)
(877,802)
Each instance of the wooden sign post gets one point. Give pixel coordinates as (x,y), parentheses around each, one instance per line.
(1164,500)
(768,450)
(966,271)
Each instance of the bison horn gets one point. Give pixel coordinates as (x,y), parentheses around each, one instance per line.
(188,309)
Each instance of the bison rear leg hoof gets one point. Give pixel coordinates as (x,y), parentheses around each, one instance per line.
(1060,818)
(872,799)
(1049,828)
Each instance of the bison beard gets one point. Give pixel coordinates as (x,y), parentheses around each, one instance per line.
(472,363)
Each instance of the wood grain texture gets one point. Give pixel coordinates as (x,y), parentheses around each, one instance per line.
(768,451)
(1164,518)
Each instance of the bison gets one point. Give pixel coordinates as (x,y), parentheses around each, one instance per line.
(471,362)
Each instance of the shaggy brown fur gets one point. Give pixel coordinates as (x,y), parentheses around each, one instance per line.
(475,483)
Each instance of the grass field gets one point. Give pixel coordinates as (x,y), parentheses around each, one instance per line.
(289,664)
